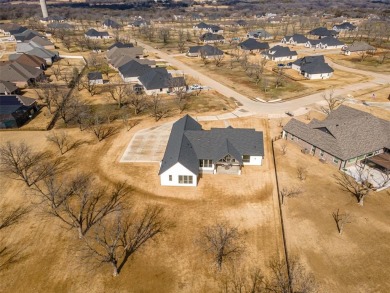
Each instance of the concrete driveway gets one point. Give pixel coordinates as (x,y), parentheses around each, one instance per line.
(148,145)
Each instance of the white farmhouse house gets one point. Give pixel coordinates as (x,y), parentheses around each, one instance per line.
(313,67)
(192,150)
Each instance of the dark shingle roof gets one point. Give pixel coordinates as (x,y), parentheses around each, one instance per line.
(94,33)
(211,37)
(346,133)
(279,51)
(7,87)
(188,143)
(313,65)
(345,26)
(120,45)
(10,103)
(111,23)
(323,32)
(155,78)
(252,44)
(133,69)
(298,38)
(95,75)
(331,41)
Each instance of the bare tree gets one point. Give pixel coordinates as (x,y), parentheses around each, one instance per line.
(63,141)
(120,93)
(46,92)
(332,102)
(218,60)
(293,279)
(116,241)
(165,35)
(20,162)
(240,280)
(91,87)
(130,123)
(67,42)
(283,148)
(290,192)
(159,109)
(279,81)
(57,71)
(358,187)
(100,129)
(341,220)
(302,173)
(138,102)
(79,202)
(222,242)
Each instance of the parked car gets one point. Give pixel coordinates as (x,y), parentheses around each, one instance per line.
(196,87)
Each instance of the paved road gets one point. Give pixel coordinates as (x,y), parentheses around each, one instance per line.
(250,107)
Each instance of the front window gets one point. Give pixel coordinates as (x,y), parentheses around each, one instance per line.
(246,158)
(170,177)
(185,179)
(205,163)
(321,153)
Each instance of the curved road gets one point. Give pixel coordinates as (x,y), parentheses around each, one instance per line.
(250,107)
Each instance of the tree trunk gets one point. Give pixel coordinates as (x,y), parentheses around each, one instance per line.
(81,235)
(361,201)
(115,269)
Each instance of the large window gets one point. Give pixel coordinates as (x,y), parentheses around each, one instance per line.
(246,158)
(206,163)
(185,179)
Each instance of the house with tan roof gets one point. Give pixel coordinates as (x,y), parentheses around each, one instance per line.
(19,74)
(344,137)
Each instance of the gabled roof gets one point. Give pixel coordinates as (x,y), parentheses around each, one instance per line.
(60,25)
(298,38)
(10,103)
(120,45)
(323,32)
(26,35)
(346,133)
(359,46)
(155,78)
(94,33)
(27,59)
(133,69)
(7,87)
(16,72)
(202,25)
(188,144)
(207,50)
(117,52)
(42,53)
(345,26)
(260,33)
(252,44)
(316,68)
(314,42)
(309,59)
(211,37)
(279,51)
(40,41)
(95,75)
(331,41)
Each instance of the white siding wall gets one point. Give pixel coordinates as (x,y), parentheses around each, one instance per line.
(175,171)
(296,67)
(285,58)
(152,92)
(255,161)
(318,76)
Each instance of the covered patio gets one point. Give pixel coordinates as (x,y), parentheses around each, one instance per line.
(381,162)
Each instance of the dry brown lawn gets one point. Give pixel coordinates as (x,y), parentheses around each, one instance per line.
(51,259)
(370,63)
(357,260)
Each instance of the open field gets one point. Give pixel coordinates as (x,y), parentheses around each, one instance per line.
(172,264)
(370,63)
(355,261)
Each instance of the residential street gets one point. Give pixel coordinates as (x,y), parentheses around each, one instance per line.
(250,107)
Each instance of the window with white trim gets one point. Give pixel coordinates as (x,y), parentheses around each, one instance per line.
(246,158)
(185,179)
(322,153)
(335,160)
(205,163)
(170,177)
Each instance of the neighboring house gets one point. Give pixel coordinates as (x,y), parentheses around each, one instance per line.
(252,45)
(345,26)
(47,55)
(108,23)
(205,51)
(38,41)
(16,110)
(275,19)
(26,35)
(210,38)
(208,27)
(19,74)
(322,32)
(95,78)
(139,23)
(159,81)
(120,45)
(122,60)
(9,29)
(29,60)
(53,19)
(241,23)
(313,67)
(132,70)
(8,88)
(330,43)
(191,151)
(296,39)
(94,34)
(134,52)
(280,53)
(344,137)
(259,34)
(313,43)
(357,47)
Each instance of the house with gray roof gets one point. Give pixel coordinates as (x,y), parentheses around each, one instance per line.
(252,46)
(192,151)
(42,42)
(312,43)
(8,88)
(357,47)
(122,60)
(210,38)
(344,137)
(345,26)
(116,52)
(259,34)
(16,110)
(109,23)
(132,70)
(48,55)
(139,23)
(159,81)
(296,39)
(26,35)
(19,74)
(95,77)
(330,43)
(280,53)
(208,27)
(313,67)
(60,26)
(120,45)
(206,51)
(322,32)
(94,34)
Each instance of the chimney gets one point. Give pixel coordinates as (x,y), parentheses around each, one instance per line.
(44,8)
